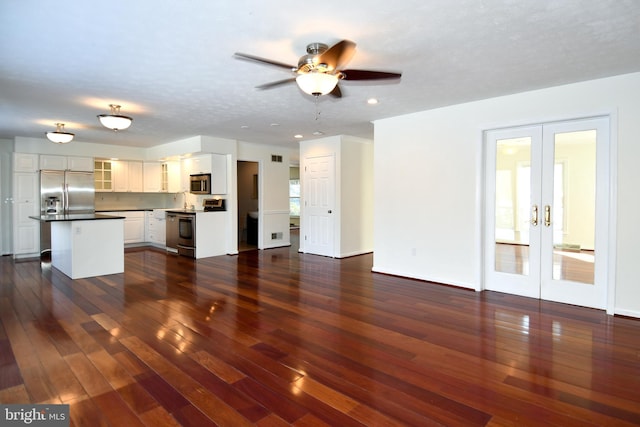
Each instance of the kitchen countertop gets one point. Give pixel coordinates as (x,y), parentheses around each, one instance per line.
(74,217)
(123,210)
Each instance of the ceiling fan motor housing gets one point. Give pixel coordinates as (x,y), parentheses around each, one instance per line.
(309,62)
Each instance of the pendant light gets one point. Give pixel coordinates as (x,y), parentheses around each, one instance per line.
(115,121)
(59,136)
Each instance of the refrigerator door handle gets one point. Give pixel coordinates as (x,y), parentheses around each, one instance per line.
(65,196)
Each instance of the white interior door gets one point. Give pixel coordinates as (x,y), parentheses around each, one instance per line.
(547,211)
(319,203)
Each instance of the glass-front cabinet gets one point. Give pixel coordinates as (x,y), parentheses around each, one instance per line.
(103,175)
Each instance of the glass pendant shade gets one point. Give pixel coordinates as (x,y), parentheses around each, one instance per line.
(59,136)
(115,121)
(317,83)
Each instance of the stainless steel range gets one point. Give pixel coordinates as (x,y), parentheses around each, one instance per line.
(181,232)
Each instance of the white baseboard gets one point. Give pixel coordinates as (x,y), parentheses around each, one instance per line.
(630,313)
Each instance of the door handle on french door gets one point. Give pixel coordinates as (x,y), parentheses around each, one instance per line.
(547,215)
(534,215)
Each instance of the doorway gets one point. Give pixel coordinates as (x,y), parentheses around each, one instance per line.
(248,203)
(547,211)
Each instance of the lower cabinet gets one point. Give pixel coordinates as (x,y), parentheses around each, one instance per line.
(134,225)
(156,229)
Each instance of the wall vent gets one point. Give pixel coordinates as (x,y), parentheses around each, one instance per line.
(276,158)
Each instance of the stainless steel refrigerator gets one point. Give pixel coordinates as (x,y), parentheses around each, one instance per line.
(64,192)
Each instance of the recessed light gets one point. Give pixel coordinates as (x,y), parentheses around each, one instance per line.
(244,127)
(318,133)
(275,124)
(372,101)
(298,136)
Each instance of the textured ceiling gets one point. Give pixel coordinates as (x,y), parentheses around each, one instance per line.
(170,63)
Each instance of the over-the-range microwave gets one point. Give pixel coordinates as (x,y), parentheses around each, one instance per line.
(200,183)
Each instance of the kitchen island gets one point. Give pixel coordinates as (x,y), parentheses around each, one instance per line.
(86,245)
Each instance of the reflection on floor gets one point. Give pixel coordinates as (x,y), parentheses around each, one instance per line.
(244,246)
(571,265)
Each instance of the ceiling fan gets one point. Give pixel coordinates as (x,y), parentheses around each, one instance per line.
(319,71)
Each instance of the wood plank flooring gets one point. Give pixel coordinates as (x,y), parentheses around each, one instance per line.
(275,338)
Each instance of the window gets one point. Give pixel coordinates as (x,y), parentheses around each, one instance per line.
(294,197)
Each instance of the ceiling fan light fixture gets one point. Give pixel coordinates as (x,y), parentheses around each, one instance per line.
(59,136)
(115,121)
(317,84)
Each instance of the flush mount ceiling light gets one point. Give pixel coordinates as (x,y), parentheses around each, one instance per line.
(115,121)
(317,83)
(59,136)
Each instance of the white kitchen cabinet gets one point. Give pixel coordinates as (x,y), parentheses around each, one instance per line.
(52,162)
(173,180)
(127,176)
(134,225)
(61,163)
(120,174)
(201,164)
(103,175)
(155,231)
(80,164)
(152,177)
(26,231)
(25,162)
(161,177)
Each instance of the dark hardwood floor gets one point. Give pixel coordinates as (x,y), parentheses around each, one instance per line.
(274,338)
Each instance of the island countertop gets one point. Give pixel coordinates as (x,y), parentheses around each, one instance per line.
(74,217)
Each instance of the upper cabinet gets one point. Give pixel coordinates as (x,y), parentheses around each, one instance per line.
(103,175)
(161,177)
(50,162)
(171,177)
(60,163)
(81,164)
(127,176)
(25,162)
(152,177)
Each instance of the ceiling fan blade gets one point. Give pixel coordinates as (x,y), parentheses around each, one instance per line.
(368,75)
(264,61)
(336,92)
(276,83)
(338,54)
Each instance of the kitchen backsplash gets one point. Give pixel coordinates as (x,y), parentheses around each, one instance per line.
(127,201)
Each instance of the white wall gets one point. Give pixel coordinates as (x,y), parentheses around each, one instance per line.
(428,181)
(355,165)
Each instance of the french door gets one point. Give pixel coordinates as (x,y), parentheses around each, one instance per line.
(547,210)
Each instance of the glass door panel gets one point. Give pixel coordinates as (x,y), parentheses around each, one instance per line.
(574,206)
(512,201)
